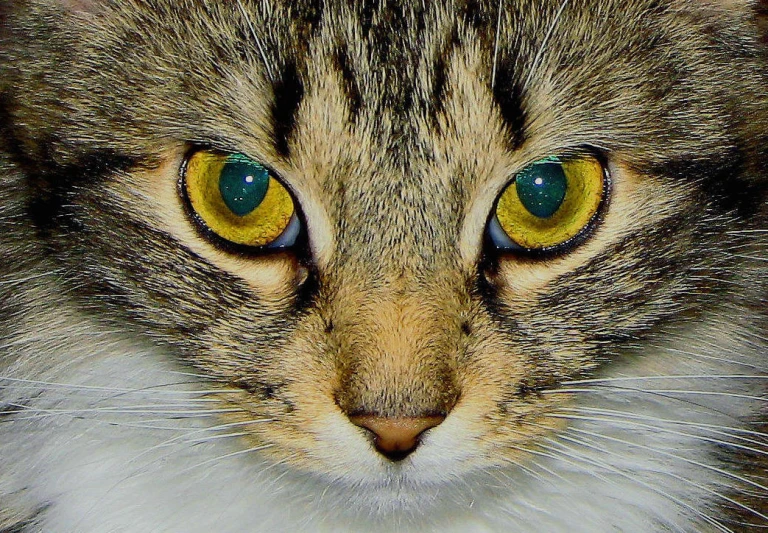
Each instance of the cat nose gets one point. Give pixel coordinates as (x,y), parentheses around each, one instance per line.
(396,438)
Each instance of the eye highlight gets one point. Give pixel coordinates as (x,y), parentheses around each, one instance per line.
(548,204)
(239,200)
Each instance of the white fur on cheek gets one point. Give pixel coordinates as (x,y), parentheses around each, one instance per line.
(115,437)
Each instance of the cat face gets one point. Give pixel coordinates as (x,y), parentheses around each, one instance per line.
(395,132)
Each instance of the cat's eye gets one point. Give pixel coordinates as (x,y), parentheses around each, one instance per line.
(240,200)
(548,204)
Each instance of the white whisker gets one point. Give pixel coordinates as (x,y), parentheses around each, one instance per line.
(627,423)
(575,455)
(709,427)
(674,456)
(580,442)
(226,456)
(211,438)
(661,392)
(539,54)
(496,45)
(256,38)
(667,377)
(49,385)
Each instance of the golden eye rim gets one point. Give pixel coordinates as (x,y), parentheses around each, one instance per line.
(512,248)
(296,223)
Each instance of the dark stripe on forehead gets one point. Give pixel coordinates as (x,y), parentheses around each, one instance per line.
(440,68)
(508,93)
(349,82)
(288,94)
(392,31)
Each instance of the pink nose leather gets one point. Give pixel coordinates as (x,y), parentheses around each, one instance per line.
(396,438)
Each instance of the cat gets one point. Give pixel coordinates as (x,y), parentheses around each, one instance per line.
(315,265)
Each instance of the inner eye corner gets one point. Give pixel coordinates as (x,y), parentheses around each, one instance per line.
(550,219)
(244,210)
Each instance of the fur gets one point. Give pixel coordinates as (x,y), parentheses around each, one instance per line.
(151,380)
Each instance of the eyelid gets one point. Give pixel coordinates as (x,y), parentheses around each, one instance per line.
(514,226)
(219,222)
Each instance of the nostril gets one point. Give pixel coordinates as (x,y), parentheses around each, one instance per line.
(396,438)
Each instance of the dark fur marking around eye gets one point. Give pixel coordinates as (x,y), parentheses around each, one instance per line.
(307,292)
(349,82)
(721,179)
(51,182)
(485,287)
(289,92)
(54,186)
(508,96)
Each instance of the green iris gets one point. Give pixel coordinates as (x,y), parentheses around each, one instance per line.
(243,184)
(541,188)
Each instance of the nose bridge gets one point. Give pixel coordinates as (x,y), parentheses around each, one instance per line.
(399,360)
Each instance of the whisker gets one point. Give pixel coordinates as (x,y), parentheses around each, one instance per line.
(227,456)
(151,409)
(537,58)
(580,442)
(203,440)
(668,377)
(712,357)
(709,427)
(661,392)
(674,456)
(49,385)
(720,495)
(90,414)
(181,438)
(573,460)
(614,470)
(533,474)
(658,428)
(258,41)
(496,45)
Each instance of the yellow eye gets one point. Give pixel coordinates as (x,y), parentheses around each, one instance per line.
(240,200)
(548,203)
